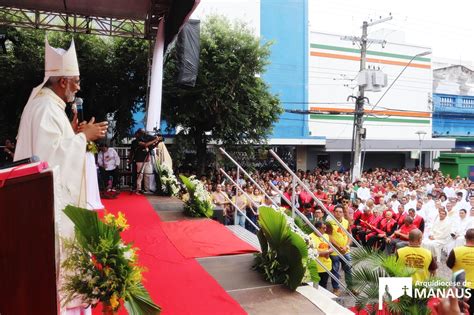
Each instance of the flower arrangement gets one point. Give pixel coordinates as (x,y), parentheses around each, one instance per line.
(288,254)
(92,147)
(168,183)
(100,267)
(199,202)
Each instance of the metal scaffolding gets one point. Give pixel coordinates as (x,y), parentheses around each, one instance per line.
(77,23)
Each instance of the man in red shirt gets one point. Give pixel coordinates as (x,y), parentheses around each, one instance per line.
(321,195)
(418,220)
(365,223)
(385,230)
(399,238)
(355,224)
(372,226)
(306,202)
(400,215)
(378,193)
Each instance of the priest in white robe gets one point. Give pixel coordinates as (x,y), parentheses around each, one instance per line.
(46,132)
(439,235)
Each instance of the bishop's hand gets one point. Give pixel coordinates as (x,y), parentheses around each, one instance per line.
(94,131)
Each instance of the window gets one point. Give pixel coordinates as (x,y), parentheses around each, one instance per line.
(446,101)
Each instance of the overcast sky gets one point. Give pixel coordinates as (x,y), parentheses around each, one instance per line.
(447,27)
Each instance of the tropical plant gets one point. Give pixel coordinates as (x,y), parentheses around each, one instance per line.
(100,267)
(302,225)
(368,266)
(113,75)
(198,203)
(285,257)
(230,103)
(167,182)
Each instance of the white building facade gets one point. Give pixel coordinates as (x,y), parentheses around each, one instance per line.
(317,72)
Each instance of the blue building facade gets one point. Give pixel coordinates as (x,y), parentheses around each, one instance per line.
(285,23)
(453,115)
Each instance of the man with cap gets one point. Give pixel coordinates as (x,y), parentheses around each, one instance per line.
(46,132)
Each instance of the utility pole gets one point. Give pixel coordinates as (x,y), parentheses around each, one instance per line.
(358,132)
(359,111)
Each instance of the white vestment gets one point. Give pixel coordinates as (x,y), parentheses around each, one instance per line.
(163,155)
(93,194)
(46,132)
(441,233)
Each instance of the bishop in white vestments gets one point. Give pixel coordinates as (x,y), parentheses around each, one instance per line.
(46,132)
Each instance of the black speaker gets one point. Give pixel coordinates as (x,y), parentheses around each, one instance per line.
(188,48)
(218,214)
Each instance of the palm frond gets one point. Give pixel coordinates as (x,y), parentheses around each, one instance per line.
(367,256)
(366,276)
(313,271)
(396,269)
(189,185)
(140,302)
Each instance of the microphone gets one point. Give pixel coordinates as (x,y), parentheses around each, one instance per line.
(80,110)
(32,159)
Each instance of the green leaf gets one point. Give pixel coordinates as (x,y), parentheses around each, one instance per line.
(263,241)
(273,226)
(312,266)
(139,302)
(190,187)
(290,248)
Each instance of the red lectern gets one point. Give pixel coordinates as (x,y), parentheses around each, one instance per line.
(27,252)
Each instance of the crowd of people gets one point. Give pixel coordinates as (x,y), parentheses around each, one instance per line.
(7,152)
(387,210)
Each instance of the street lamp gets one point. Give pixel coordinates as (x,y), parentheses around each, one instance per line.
(428,52)
(421,135)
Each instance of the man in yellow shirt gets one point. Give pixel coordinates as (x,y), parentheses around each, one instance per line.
(324,250)
(417,257)
(462,257)
(341,242)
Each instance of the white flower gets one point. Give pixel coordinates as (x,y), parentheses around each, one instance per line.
(293,227)
(129,254)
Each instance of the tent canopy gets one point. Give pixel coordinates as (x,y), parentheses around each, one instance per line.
(121,9)
(104,17)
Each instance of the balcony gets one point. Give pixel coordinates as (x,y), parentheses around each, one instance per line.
(457,104)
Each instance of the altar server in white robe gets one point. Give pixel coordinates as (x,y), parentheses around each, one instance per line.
(46,132)
(459,227)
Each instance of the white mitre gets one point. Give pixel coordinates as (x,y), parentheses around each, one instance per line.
(58,63)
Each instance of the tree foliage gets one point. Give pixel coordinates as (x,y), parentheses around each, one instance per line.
(113,75)
(229,101)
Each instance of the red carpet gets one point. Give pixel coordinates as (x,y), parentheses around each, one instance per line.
(204,238)
(178,284)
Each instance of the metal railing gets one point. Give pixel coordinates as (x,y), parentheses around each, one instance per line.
(295,211)
(319,203)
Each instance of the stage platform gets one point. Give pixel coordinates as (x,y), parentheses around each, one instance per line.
(246,286)
(235,274)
